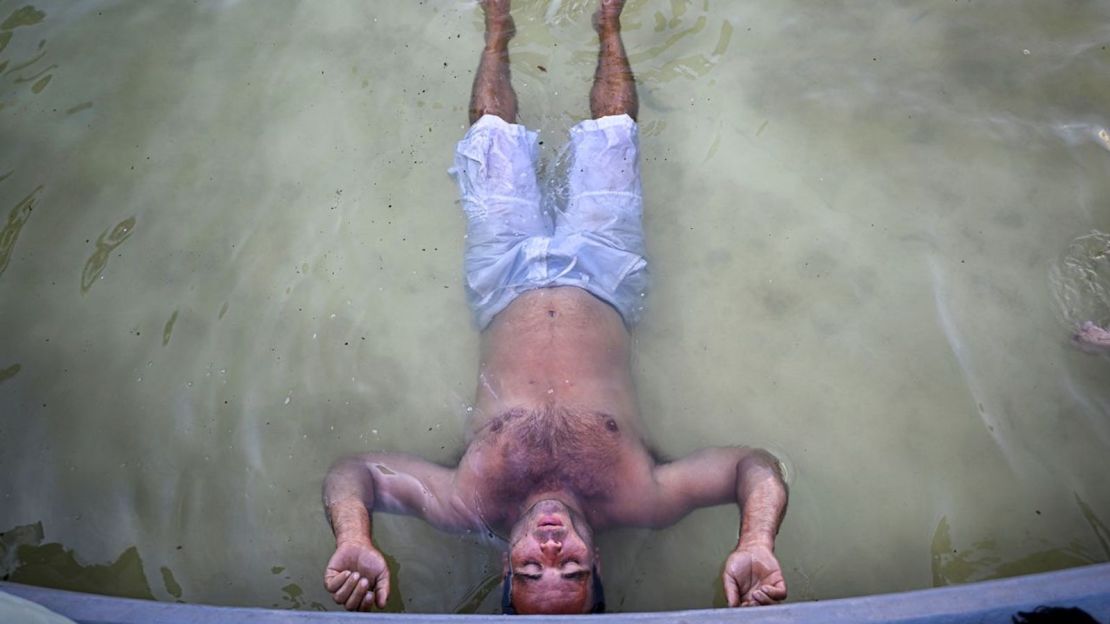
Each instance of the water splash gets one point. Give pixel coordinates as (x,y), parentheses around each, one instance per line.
(1080,281)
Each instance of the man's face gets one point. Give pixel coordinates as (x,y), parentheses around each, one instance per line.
(551,558)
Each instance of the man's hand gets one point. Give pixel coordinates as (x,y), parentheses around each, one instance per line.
(1092,339)
(753,577)
(357,576)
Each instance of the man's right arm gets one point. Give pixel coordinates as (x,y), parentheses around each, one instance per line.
(356,486)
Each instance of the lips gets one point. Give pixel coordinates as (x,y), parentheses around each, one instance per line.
(550,521)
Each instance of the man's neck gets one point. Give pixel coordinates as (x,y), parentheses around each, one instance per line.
(565,497)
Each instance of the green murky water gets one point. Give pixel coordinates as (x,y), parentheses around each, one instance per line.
(229,253)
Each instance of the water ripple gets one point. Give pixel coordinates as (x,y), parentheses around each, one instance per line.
(1080,281)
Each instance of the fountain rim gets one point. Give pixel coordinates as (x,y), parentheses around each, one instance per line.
(1087,587)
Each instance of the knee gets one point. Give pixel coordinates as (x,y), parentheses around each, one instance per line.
(478,112)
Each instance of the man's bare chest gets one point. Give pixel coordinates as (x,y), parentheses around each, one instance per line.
(522,452)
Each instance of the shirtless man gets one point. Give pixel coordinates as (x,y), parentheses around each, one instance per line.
(555,450)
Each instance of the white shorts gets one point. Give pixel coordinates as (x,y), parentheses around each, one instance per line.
(595,243)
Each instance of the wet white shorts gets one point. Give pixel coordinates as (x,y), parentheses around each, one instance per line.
(595,242)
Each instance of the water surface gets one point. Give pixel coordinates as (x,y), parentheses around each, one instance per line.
(230,252)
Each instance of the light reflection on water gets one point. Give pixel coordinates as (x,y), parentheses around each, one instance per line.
(872,229)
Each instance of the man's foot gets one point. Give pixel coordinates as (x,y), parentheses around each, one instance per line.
(608,15)
(499,20)
(1092,339)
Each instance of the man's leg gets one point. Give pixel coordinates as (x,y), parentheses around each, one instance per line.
(614,90)
(599,239)
(495,168)
(493,93)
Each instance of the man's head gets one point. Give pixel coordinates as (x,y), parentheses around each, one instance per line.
(552,565)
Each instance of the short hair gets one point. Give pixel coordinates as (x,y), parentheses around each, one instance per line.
(1062,615)
(507,607)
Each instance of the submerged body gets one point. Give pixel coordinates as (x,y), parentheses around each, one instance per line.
(555,408)
(555,447)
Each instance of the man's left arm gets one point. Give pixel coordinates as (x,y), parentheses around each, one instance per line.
(752,479)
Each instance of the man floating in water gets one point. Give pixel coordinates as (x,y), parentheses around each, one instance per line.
(555,447)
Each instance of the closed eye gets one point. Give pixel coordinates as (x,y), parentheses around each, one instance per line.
(574,576)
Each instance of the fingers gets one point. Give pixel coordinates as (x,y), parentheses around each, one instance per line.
(767,594)
(355,599)
(764,595)
(732,591)
(376,595)
(382,589)
(777,591)
(760,597)
(333,579)
(346,589)
(755,598)
(356,592)
(367,601)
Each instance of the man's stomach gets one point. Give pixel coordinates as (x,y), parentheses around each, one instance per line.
(552,327)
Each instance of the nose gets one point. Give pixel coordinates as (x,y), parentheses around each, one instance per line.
(550,545)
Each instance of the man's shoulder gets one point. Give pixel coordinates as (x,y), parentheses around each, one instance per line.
(635,489)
